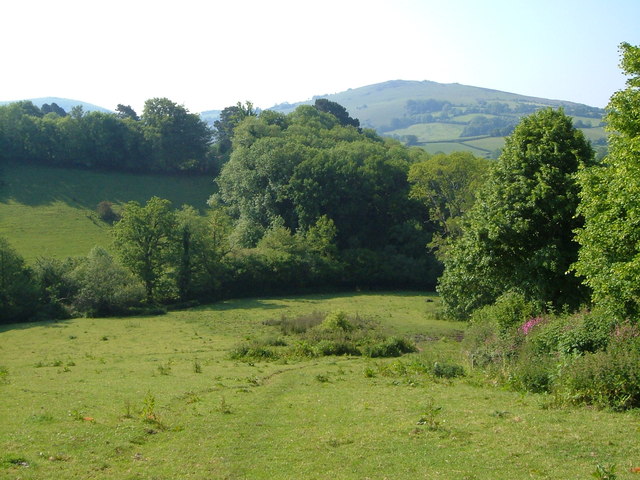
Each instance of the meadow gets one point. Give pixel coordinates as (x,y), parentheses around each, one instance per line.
(160,398)
(51,212)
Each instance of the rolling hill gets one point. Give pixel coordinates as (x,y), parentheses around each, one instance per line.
(449,117)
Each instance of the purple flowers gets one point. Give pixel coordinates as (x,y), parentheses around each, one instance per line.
(529,324)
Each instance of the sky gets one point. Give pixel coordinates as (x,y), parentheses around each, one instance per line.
(212,54)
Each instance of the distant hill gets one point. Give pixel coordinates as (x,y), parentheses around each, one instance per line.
(66,103)
(449,117)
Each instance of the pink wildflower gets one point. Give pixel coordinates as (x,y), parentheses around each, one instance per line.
(529,324)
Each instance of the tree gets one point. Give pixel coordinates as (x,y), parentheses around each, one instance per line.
(144,238)
(338,111)
(104,287)
(447,186)
(179,139)
(224,127)
(125,111)
(609,257)
(19,295)
(519,233)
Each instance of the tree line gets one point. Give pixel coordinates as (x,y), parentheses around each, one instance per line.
(165,138)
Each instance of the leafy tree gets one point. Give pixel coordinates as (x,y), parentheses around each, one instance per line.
(53,108)
(338,111)
(202,242)
(447,186)
(104,287)
(19,295)
(179,139)
(144,238)
(519,233)
(224,127)
(125,111)
(609,257)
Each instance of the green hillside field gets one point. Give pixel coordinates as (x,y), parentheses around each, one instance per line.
(52,211)
(161,398)
(385,107)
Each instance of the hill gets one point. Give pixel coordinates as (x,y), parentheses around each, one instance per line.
(448,117)
(66,103)
(48,211)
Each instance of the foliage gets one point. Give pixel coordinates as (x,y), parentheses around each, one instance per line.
(609,256)
(105,212)
(144,239)
(322,335)
(166,139)
(104,287)
(447,186)
(19,295)
(518,235)
(309,172)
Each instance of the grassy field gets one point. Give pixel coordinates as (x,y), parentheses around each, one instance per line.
(51,211)
(159,398)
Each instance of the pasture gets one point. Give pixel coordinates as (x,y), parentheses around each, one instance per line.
(51,212)
(160,398)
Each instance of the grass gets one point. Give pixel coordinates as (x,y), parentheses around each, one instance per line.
(52,211)
(75,406)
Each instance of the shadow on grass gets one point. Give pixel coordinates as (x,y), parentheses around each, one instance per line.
(38,185)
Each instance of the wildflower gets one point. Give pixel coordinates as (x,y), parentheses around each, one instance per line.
(529,324)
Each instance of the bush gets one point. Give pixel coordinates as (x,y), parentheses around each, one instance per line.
(609,378)
(106,213)
(510,310)
(337,321)
(388,347)
(447,370)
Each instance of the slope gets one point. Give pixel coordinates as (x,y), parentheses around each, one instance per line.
(48,211)
(447,117)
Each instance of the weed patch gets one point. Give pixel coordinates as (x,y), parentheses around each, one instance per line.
(320,335)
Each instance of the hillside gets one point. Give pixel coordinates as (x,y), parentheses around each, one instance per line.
(448,117)
(51,211)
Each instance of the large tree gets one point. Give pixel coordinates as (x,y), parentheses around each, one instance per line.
(519,233)
(144,238)
(609,257)
(179,139)
(19,295)
(447,185)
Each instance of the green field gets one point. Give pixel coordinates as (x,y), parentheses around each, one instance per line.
(51,211)
(159,398)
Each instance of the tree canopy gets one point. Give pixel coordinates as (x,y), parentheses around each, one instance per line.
(609,256)
(519,233)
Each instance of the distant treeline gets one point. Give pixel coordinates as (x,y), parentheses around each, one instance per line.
(165,138)
(503,116)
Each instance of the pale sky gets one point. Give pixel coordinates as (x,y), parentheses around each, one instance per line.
(211,54)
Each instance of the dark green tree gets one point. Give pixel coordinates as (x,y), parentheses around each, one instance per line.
(145,240)
(19,294)
(125,111)
(447,185)
(224,127)
(519,233)
(609,257)
(179,140)
(338,111)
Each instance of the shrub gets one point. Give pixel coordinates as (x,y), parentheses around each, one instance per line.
(106,213)
(447,370)
(511,309)
(607,378)
(337,321)
(388,347)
